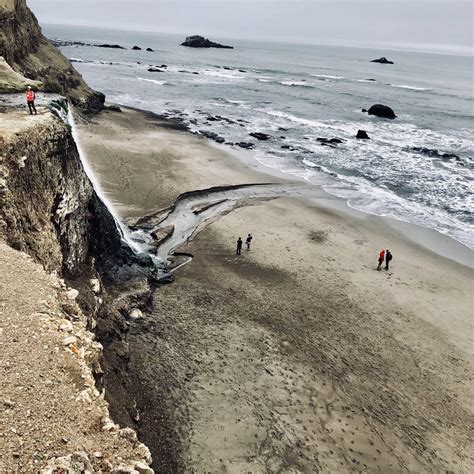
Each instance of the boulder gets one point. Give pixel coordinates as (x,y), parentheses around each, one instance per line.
(382,111)
(136,48)
(155,69)
(260,136)
(382,60)
(362,135)
(212,136)
(246,145)
(150,50)
(197,41)
(162,234)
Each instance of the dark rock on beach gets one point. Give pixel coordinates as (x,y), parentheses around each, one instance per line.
(155,69)
(212,136)
(197,41)
(150,50)
(382,60)
(330,141)
(246,145)
(382,111)
(136,48)
(287,147)
(364,111)
(362,135)
(260,136)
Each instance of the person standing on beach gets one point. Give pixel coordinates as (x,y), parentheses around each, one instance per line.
(388,259)
(381,259)
(249,241)
(30,100)
(239,246)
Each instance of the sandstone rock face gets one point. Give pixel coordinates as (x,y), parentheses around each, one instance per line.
(48,207)
(29,53)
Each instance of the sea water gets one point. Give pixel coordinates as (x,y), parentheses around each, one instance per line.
(298,93)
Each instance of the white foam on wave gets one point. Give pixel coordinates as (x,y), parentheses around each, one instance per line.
(76,60)
(411,88)
(223,74)
(154,81)
(325,76)
(296,83)
(368,81)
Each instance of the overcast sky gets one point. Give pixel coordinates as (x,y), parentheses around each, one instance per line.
(438,25)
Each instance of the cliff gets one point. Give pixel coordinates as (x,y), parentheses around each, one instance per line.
(53,225)
(29,53)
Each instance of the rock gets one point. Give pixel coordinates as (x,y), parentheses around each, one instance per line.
(364,111)
(69,340)
(135,314)
(150,50)
(336,140)
(77,462)
(8,403)
(246,145)
(142,468)
(330,141)
(212,136)
(95,285)
(287,147)
(66,326)
(436,153)
(136,48)
(382,60)
(260,136)
(162,234)
(113,108)
(72,294)
(362,134)
(155,69)
(201,42)
(111,46)
(382,111)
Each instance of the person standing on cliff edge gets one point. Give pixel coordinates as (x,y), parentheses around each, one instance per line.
(30,100)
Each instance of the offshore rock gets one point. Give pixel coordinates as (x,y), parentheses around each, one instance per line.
(136,48)
(197,41)
(362,135)
(382,111)
(260,136)
(382,60)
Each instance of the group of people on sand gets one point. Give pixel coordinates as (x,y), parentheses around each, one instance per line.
(384,256)
(240,242)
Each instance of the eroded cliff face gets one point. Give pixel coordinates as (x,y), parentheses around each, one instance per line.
(29,53)
(48,207)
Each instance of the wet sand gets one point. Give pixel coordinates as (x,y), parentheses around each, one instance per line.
(297,356)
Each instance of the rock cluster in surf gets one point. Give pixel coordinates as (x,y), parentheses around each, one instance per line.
(197,41)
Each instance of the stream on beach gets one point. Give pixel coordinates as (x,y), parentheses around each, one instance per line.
(417,168)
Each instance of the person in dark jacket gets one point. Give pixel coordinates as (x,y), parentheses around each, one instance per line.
(388,259)
(381,259)
(248,241)
(239,246)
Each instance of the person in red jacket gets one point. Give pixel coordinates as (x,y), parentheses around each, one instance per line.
(30,100)
(381,259)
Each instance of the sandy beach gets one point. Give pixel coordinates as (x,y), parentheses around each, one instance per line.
(297,356)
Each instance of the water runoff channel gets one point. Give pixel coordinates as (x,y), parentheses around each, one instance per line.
(160,236)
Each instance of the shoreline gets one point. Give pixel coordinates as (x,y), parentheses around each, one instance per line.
(427,238)
(296,354)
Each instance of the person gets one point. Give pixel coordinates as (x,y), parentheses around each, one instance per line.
(239,246)
(388,258)
(249,241)
(381,259)
(30,100)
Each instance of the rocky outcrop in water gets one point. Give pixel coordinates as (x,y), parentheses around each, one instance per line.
(201,42)
(362,135)
(382,111)
(382,60)
(29,53)
(260,136)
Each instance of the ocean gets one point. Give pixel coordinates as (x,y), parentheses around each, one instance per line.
(418,168)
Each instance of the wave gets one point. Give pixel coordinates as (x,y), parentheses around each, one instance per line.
(324,76)
(370,81)
(296,84)
(154,81)
(412,88)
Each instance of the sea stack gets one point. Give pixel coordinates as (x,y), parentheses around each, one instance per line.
(382,60)
(197,41)
(382,111)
